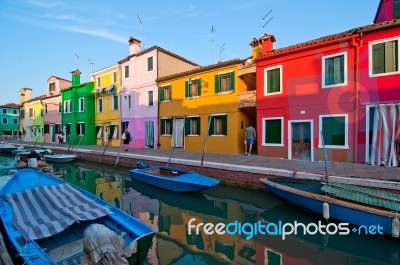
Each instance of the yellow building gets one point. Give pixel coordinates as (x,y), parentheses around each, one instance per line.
(203,108)
(107,105)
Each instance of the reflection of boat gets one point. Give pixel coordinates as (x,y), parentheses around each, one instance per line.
(319,248)
(61,158)
(23,150)
(51,228)
(173,179)
(7,148)
(308,194)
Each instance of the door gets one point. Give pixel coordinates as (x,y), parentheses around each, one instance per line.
(301,140)
(178,132)
(149,134)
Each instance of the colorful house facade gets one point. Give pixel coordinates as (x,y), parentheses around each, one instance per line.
(78,118)
(199,109)
(139,91)
(107,105)
(31,124)
(387,10)
(9,121)
(53,108)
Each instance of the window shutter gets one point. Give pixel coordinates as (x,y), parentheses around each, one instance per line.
(225,124)
(232,81)
(396,8)
(198,125)
(199,87)
(217,84)
(211,125)
(161,94)
(83,128)
(170,93)
(187,126)
(162,126)
(391,56)
(171,126)
(378,59)
(186,89)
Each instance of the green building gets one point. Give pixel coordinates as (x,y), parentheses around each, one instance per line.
(9,121)
(78,119)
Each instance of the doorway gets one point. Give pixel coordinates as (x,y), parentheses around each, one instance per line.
(300,137)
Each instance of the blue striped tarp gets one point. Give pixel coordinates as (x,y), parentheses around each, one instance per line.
(48,210)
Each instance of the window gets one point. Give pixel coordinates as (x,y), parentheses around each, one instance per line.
(150,96)
(81,104)
(193,88)
(334,70)
(150,64)
(115,77)
(129,101)
(192,125)
(272,132)
(115,102)
(114,131)
(273,80)
(225,82)
(52,87)
(67,106)
(334,131)
(15,121)
(45,108)
(99,105)
(4,111)
(30,113)
(126,70)
(80,129)
(46,128)
(5,120)
(165,93)
(41,112)
(59,107)
(166,126)
(15,111)
(218,125)
(98,82)
(384,57)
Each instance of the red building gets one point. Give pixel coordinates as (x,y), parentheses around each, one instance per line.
(316,94)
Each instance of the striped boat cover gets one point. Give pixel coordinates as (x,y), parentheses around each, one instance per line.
(48,210)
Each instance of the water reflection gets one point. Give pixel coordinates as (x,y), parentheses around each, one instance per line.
(169,213)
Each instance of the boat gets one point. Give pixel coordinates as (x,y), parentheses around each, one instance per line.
(21,149)
(361,206)
(62,224)
(172,179)
(7,148)
(60,158)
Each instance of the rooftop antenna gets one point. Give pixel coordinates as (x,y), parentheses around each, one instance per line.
(221,49)
(78,59)
(141,25)
(268,19)
(91,68)
(212,43)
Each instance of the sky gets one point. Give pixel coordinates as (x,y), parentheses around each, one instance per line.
(42,38)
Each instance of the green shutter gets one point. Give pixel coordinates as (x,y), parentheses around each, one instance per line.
(199,87)
(232,81)
(171,126)
(162,126)
(217,84)
(186,89)
(333,130)
(198,125)
(225,125)
(378,58)
(210,125)
(273,129)
(273,80)
(161,94)
(187,126)
(396,8)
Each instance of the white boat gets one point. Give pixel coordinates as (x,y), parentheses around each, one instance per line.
(61,158)
(7,148)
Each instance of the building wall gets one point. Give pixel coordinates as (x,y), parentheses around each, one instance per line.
(52,117)
(9,129)
(385,11)
(37,122)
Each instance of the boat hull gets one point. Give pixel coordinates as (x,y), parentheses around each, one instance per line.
(342,211)
(60,158)
(182,181)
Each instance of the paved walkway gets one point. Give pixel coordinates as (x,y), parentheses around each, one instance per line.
(254,163)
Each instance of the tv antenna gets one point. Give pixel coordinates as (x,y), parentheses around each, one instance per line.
(268,19)
(141,24)
(212,42)
(78,59)
(221,49)
(91,68)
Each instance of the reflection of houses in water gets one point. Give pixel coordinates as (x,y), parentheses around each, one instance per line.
(109,189)
(85,179)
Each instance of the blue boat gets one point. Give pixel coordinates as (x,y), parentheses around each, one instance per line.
(173,179)
(365,208)
(46,220)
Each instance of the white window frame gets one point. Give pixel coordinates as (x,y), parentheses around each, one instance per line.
(80,124)
(266,80)
(282,130)
(148,98)
(345,70)
(81,104)
(346,133)
(67,106)
(147,63)
(370,65)
(190,118)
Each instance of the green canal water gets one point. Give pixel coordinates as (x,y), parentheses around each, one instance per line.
(170,213)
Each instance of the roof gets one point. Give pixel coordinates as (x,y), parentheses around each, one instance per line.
(201,69)
(59,78)
(10,106)
(338,36)
(159,49)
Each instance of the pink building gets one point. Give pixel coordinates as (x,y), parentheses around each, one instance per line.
(139,91)
(387,10)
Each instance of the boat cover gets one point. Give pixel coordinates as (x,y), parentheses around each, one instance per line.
(48,210)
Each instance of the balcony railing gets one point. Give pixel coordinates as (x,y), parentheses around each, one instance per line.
(247,99)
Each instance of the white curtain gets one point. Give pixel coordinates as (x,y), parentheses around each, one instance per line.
(385,135)
(177,132)
(149,134)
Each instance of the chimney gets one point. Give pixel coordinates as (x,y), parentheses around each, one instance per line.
(134,46)
(256,51)
(266,42)
(24,95)
(76,77)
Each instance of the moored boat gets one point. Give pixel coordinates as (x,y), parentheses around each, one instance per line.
(364,208)
(7,147)
(173,179)
(60,158)
(49,228)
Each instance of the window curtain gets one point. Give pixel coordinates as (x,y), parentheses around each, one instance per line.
(149,137)
(177,132)
(385,136)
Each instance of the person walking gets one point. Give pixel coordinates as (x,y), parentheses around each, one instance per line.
(250,137)
(126,137)
(60,137)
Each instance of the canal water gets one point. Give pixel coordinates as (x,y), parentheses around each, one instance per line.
(170,213)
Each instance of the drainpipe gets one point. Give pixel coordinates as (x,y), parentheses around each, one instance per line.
(356,42)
